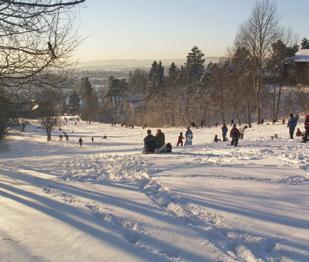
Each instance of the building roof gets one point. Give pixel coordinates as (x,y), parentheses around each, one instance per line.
(302,56)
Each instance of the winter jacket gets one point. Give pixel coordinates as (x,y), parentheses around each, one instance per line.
(150,144)
(292,122)
(189,132)
(235,133)
(224,130)
(160,140)
(307,122)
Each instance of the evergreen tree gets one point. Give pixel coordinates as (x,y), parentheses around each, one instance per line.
(74,103)
(195,64)
(89,100)
(156,74)
(173,71)
(305,43)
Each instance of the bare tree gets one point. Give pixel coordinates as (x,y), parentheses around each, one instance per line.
(257,35)
(35,37)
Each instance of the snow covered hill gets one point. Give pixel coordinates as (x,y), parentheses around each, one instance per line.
(106,201)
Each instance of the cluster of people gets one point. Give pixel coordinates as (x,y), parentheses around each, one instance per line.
(188,137)
(235,134)
(156,144)
(292,123)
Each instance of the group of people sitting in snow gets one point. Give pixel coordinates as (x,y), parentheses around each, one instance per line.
(156,144)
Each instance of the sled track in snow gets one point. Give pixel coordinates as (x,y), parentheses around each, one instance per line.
(234,246)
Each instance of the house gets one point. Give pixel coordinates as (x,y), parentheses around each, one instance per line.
(301,60)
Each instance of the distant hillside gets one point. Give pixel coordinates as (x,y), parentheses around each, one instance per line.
(131,64)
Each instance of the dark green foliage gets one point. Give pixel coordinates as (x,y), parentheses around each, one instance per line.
(89,107)
(195,64)
(305,43)
(156,74)
(74,103)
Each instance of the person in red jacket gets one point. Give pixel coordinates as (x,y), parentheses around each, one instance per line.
(180,139)
(234,134)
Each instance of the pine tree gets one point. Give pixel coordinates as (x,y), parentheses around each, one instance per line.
(195,64)
(74,103)
(305,43)
(89,100)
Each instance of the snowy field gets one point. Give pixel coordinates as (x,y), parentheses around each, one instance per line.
(106,201)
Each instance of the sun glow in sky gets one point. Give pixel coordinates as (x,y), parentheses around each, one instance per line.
(156,29)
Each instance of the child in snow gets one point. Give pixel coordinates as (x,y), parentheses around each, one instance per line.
(242,131)
(80,140)
(216,139)
(92,139)
(180,139)
(234,134)
(298,132)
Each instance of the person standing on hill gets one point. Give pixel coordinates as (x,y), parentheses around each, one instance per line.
(292,123)
(80,140)
(189,137)
(224,132)
(234,134)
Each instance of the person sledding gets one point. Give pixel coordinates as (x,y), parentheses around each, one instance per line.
(189,137)
(298,133)
(161,147)
(149,143)
(234,134)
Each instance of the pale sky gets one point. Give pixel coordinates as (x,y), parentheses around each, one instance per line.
(156,29)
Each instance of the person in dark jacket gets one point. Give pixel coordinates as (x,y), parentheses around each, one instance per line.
(234,134)
(292,123)
(216,139)
(80,140)
(160,139)
(306,133)
(149,143)
(224,132)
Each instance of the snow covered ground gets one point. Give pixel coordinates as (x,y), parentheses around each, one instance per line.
(106,201)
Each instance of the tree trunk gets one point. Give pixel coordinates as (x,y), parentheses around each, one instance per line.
(278,103)
(237,113)
(274,103)
(249,114)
